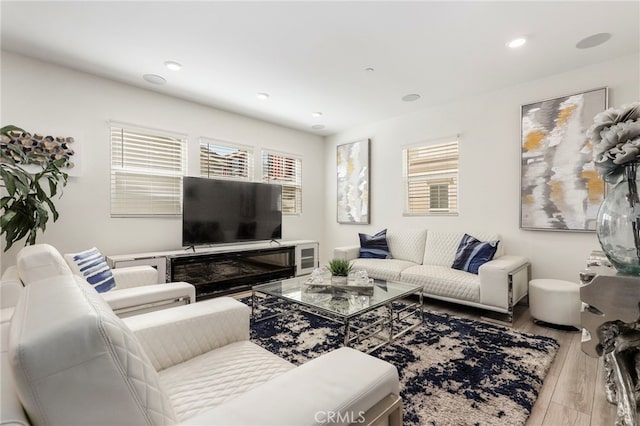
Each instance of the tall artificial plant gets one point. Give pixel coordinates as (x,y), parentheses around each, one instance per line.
(26,203)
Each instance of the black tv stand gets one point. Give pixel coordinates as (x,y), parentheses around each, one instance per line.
(224,269)
(216,274)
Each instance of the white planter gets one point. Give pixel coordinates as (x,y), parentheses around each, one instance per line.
(338,280)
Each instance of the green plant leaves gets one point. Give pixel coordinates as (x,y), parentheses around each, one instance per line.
(25,210)
(340,267)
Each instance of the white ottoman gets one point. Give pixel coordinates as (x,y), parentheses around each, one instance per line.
(555,302)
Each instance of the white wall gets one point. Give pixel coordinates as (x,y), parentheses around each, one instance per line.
(489,126)
(57,101)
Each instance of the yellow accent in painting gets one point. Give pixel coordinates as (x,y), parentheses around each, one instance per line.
(528,199)
(350,167)
(556,193)
(564,114)
(534,140)
(595,185)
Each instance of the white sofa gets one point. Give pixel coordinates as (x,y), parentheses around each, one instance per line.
(136,291)
(71,361)
(424,257)
(136,288)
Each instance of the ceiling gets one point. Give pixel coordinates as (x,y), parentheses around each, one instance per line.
(312,56)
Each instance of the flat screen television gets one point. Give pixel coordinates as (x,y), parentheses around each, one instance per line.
(216,211)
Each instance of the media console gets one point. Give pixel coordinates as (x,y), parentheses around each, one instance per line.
(219,270)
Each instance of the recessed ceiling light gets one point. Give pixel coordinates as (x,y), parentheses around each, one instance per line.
(517,42)
(316,114)
(154,79)
(411,97)
(317,126)
(262,96)
(369,69)
(593,40)
(173,65)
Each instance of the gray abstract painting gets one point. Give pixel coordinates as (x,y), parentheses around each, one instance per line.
(353,182)
(560,188)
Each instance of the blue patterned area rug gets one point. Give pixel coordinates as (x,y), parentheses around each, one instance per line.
(453,371)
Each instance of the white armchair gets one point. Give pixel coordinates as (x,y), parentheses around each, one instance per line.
(137,290)
(72,361)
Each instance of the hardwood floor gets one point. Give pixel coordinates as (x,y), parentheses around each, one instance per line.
(573,391)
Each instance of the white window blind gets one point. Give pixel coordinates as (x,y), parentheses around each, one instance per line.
(225,160)
(146,172)
(287,171)
(431,178)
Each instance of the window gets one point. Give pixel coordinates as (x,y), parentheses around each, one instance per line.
(431,178)
(225,160)
(439,197)
(146,171)
(286,170)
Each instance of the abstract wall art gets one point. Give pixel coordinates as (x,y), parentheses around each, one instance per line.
(353,182)
(560,188)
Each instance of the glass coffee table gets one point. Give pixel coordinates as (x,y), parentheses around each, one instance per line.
(353,309)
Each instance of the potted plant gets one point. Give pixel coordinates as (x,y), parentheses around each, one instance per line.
(30,180)
(339,269)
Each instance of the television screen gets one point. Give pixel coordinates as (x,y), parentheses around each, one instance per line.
(218,211)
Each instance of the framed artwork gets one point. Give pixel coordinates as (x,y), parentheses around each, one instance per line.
(560,188)
(353,182)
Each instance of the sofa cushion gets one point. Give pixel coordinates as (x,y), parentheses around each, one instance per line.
(473,253)
(92,266)
(444,281)
(220,375)
(374,246)
(441,247)
(407,244)
(336,388)
(382,269)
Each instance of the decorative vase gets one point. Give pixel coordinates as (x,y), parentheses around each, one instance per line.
(618,224)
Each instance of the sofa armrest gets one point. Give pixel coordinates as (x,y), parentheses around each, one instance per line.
(346,252)
(137,300)
(494,281)
(343,384)
(134,276)
(11,411)
(175,335)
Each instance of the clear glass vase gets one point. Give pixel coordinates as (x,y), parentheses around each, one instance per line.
(618,224)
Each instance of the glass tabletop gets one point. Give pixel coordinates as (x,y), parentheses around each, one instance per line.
(337,301)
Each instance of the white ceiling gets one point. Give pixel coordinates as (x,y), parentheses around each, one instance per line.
(311,56)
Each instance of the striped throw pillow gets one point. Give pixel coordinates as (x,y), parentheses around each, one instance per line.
(91,266)
(374,246)
(473,253)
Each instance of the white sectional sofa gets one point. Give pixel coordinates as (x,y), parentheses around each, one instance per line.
(425,257)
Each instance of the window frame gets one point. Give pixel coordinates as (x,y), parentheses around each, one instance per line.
(433,177)
(127,207)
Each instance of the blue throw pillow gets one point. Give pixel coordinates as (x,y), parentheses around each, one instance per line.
(374,246)
(92,266)
(472,253)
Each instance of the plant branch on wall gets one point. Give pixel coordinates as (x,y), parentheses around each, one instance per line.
(31,179)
